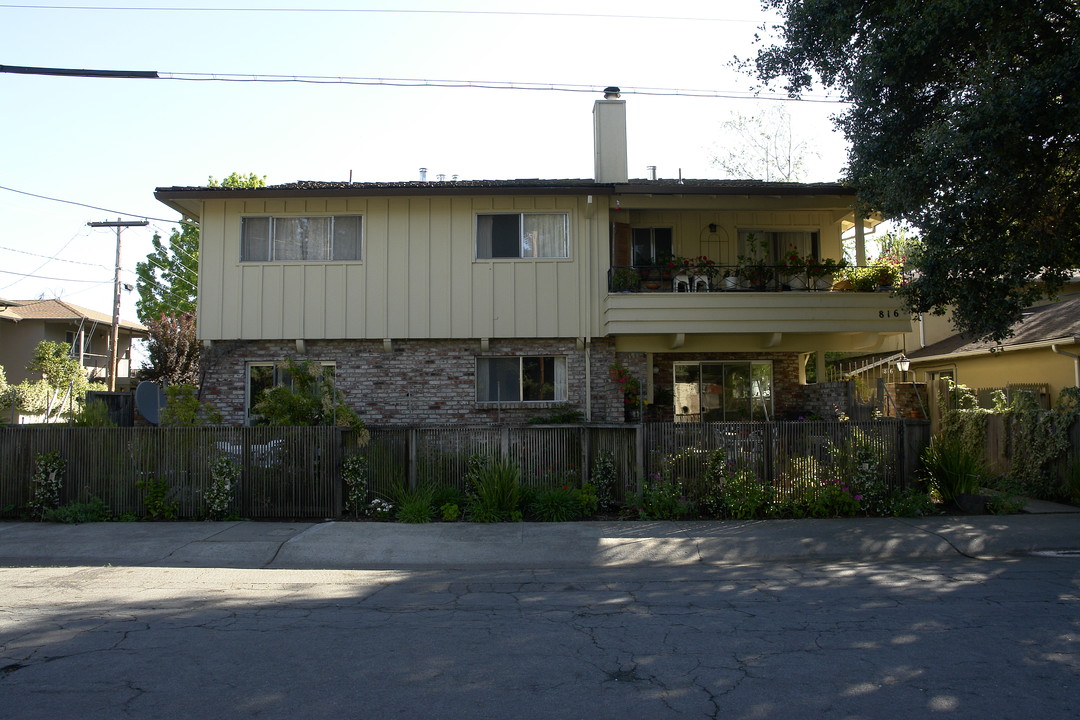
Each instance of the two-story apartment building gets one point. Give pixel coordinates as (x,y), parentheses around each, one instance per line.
(484,301)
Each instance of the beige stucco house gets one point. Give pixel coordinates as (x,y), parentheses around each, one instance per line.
(486,301)
(25,323)
(1043,350)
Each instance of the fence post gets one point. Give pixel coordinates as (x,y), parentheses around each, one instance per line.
(639,456)
(410,449)
(504,442)
(586,452)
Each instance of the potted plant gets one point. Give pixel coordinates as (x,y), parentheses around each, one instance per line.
(625,279)
(753,267)
(820,273)
(795,269)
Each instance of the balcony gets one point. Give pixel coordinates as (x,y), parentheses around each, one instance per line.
(771,308)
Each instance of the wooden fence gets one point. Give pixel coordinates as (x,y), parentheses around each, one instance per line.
(295,472)
(285,472)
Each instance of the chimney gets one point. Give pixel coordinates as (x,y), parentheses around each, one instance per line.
(609,138)
(423,174)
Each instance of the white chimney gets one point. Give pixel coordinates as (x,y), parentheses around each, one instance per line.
(609,138)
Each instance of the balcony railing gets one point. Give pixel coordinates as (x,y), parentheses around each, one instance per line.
(757,278)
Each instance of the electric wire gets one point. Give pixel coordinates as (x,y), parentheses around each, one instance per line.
(383,11)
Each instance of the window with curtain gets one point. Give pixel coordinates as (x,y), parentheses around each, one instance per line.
(778,243)
(522,235)
(521,379)
(301,239)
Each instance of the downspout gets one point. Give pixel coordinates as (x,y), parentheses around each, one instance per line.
(1076,363)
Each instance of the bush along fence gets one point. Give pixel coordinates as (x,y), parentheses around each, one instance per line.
(1019,448)
(323,472)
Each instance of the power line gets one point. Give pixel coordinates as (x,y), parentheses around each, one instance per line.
(50,257)
(92,207)
(409,82)
(385,11)
(45,277)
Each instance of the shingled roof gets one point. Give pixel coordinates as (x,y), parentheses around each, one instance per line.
(1059,321)
(57,309)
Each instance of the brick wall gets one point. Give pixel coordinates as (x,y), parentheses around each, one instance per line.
(434,381)
(419,381)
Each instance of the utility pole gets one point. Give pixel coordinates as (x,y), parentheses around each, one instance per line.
(114,339)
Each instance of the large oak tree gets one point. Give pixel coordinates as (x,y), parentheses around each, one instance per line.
(964,121)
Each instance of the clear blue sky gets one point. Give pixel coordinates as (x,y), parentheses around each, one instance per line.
(108,143)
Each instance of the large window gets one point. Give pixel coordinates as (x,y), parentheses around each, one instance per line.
(263,376)
(522,235)
(723,391)
(301,239)
(773,245)
(516,379)
(651,245)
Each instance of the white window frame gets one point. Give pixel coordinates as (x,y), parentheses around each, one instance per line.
(523,252)
(270,244)
(280,377)
(497,396)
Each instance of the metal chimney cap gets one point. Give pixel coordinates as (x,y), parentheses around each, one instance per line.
(611,93)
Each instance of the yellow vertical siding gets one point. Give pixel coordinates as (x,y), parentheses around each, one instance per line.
(418,277)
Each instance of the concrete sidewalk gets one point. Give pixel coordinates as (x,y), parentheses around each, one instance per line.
(371,545)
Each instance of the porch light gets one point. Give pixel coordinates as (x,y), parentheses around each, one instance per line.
(903,364)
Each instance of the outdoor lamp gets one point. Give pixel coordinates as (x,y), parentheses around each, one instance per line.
(903,364)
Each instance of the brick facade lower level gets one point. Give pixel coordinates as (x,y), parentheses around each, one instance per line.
(434,381)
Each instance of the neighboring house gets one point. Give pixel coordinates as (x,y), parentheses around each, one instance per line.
(1043,350)
(25,323)
(487,301)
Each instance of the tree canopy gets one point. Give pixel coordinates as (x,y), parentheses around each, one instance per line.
(963,123)
(168,280)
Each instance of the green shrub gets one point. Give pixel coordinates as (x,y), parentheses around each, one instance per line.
(834,499)
(224,476)
(354,473)
(604,479)
(661,500)
(156,499)
(953,467)
(745,495)
(450,512)
(46,482)
(95,510)
(557,504)
(495,492)
(414,505)
(93,414)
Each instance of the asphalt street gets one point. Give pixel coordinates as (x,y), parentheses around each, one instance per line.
(951,638)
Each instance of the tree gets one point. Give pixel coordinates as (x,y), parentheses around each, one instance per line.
(173,350)
(62,386)
(762,146)
(167,281)
(963,123)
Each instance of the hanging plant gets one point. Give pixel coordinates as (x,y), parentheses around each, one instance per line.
(629,386)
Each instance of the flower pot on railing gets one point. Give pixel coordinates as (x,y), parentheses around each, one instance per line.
(797,282)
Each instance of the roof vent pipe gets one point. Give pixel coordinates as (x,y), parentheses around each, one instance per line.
(441,177)
(423,174)
(651,170)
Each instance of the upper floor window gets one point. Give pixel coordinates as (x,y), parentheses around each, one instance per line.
(772,246)
(522,235)
(301,239)
(651,245)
